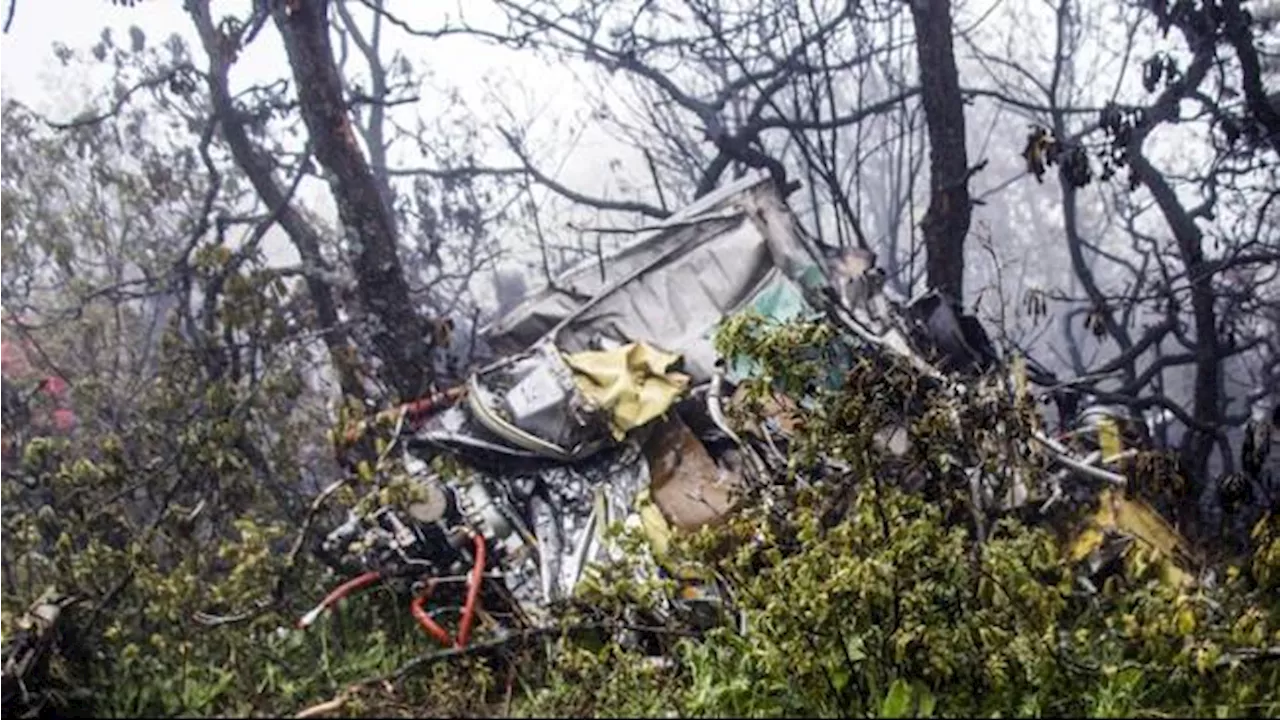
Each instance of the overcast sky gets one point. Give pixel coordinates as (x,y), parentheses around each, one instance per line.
(30,72)
(33,76)
(535,90)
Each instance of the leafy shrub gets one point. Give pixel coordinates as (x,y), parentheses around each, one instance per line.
(889,605)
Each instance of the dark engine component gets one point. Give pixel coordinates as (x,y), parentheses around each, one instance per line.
(958,342)
(422,541)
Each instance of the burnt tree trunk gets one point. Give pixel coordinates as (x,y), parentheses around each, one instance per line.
(400,336)
(946,223)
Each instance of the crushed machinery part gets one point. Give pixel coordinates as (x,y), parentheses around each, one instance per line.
(715,409)
(416,607)
(411,410)
(1064,456)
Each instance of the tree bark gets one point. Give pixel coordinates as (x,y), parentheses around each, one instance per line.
(1207,404)
(1206,400)
(257,167)
(374,130)
(946,223)
(400,336)
(1240,36)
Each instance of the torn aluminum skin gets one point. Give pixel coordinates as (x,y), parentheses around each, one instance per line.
(674,287)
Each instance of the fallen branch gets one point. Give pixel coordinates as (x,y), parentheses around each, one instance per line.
(1064,456)
(325,707)
(1250,655)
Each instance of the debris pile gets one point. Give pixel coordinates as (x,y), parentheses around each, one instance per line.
(615,403)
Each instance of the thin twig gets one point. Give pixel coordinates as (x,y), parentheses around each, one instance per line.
(325,707)
(123,100)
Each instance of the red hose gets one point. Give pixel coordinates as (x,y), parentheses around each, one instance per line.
(473,592)
(340,592)
(418,606)
(418,609)
(420,614)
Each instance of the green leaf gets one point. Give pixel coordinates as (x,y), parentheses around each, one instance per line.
(925,702)
(897,704)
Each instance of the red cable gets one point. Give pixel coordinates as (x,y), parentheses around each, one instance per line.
(350,586)
(340,592)
(417,606)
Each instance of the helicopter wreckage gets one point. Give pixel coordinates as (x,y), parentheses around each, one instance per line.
(610,406)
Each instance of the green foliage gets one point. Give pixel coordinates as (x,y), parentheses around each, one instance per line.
(602,682)
(888,607)
(896,611)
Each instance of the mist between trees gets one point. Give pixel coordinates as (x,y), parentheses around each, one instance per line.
(280,214)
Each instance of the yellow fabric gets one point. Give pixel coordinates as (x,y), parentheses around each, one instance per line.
(633,382)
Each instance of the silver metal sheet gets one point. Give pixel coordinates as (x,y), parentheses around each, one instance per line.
(672,288)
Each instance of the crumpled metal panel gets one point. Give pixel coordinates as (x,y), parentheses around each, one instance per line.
(611,481)
(673,288)
(1130,521)
(456,430)
(532,401)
